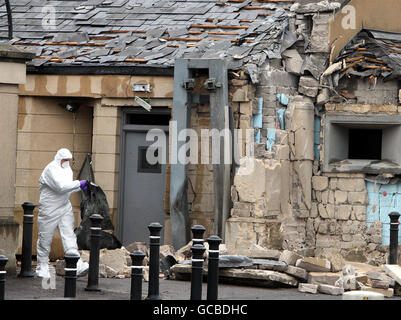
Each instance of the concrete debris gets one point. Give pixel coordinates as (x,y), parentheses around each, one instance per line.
(378,278)
(315,64)
(347,281)
(112,263)
(114,260)
(388,293)
(265,264)
(331,290)
(110,272)
(167,259)
(362,279)
(287,269)
(308,288)
(308,86)
(289,257)
(298,273)
(184,253)
(334,256)
(293,61)
(323,277)
(322,6)
(394,271)
(381,284)
(312,264)
(138,246)
(256,252)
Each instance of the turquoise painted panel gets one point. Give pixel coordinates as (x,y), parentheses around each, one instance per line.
(391,188)
(372,212)
(370,186)
(383,199)
(387,199)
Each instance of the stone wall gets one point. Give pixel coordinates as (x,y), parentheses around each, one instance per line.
(288,201)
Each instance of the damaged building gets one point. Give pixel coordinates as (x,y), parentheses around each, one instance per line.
(322,103)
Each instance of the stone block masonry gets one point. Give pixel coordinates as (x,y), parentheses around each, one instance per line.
(316,210)
(339,206)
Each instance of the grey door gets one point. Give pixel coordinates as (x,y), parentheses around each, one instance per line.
(142,187)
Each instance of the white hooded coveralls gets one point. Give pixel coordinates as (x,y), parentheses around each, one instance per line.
(55,210)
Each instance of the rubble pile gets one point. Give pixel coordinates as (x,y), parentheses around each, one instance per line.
(114,263)
(258,267)
(276,268)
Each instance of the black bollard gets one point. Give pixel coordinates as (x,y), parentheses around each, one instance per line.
(26,258)
(136,274)
(93,274)
(394,216)
(154,255)
(197,271)
(197,234)
(213,268)
(70,286)
(3,273)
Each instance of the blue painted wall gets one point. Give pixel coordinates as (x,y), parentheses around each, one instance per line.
(383,199)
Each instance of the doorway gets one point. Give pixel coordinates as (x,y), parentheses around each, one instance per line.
(142,182)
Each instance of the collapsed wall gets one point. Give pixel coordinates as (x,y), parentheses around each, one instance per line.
(291,200)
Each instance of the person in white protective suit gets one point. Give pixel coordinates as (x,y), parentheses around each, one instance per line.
(55,211)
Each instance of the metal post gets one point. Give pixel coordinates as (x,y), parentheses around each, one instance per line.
(93,274)
(26,259)
(213,268)
(136,274)
(70,286)
(197,234)
(394,216)
(3,273)
(197,271)
(154,241)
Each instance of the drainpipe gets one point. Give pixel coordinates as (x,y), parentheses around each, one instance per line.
(10,20)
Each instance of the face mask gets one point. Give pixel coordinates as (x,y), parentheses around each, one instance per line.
(65,164)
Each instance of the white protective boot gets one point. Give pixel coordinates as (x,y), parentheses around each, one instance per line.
(42,270)
(82,268)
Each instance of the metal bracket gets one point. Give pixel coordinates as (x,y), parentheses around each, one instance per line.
(141,87)
(211,84)
(189,84)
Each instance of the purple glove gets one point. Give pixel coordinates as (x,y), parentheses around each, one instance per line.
(83,185)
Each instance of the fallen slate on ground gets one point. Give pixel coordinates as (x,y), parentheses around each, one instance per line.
(254,277)
(234,261)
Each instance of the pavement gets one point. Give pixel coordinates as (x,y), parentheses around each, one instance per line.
(27,295)
(119,289)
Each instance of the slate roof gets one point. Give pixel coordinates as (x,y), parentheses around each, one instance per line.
(372,53)
(148,32)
